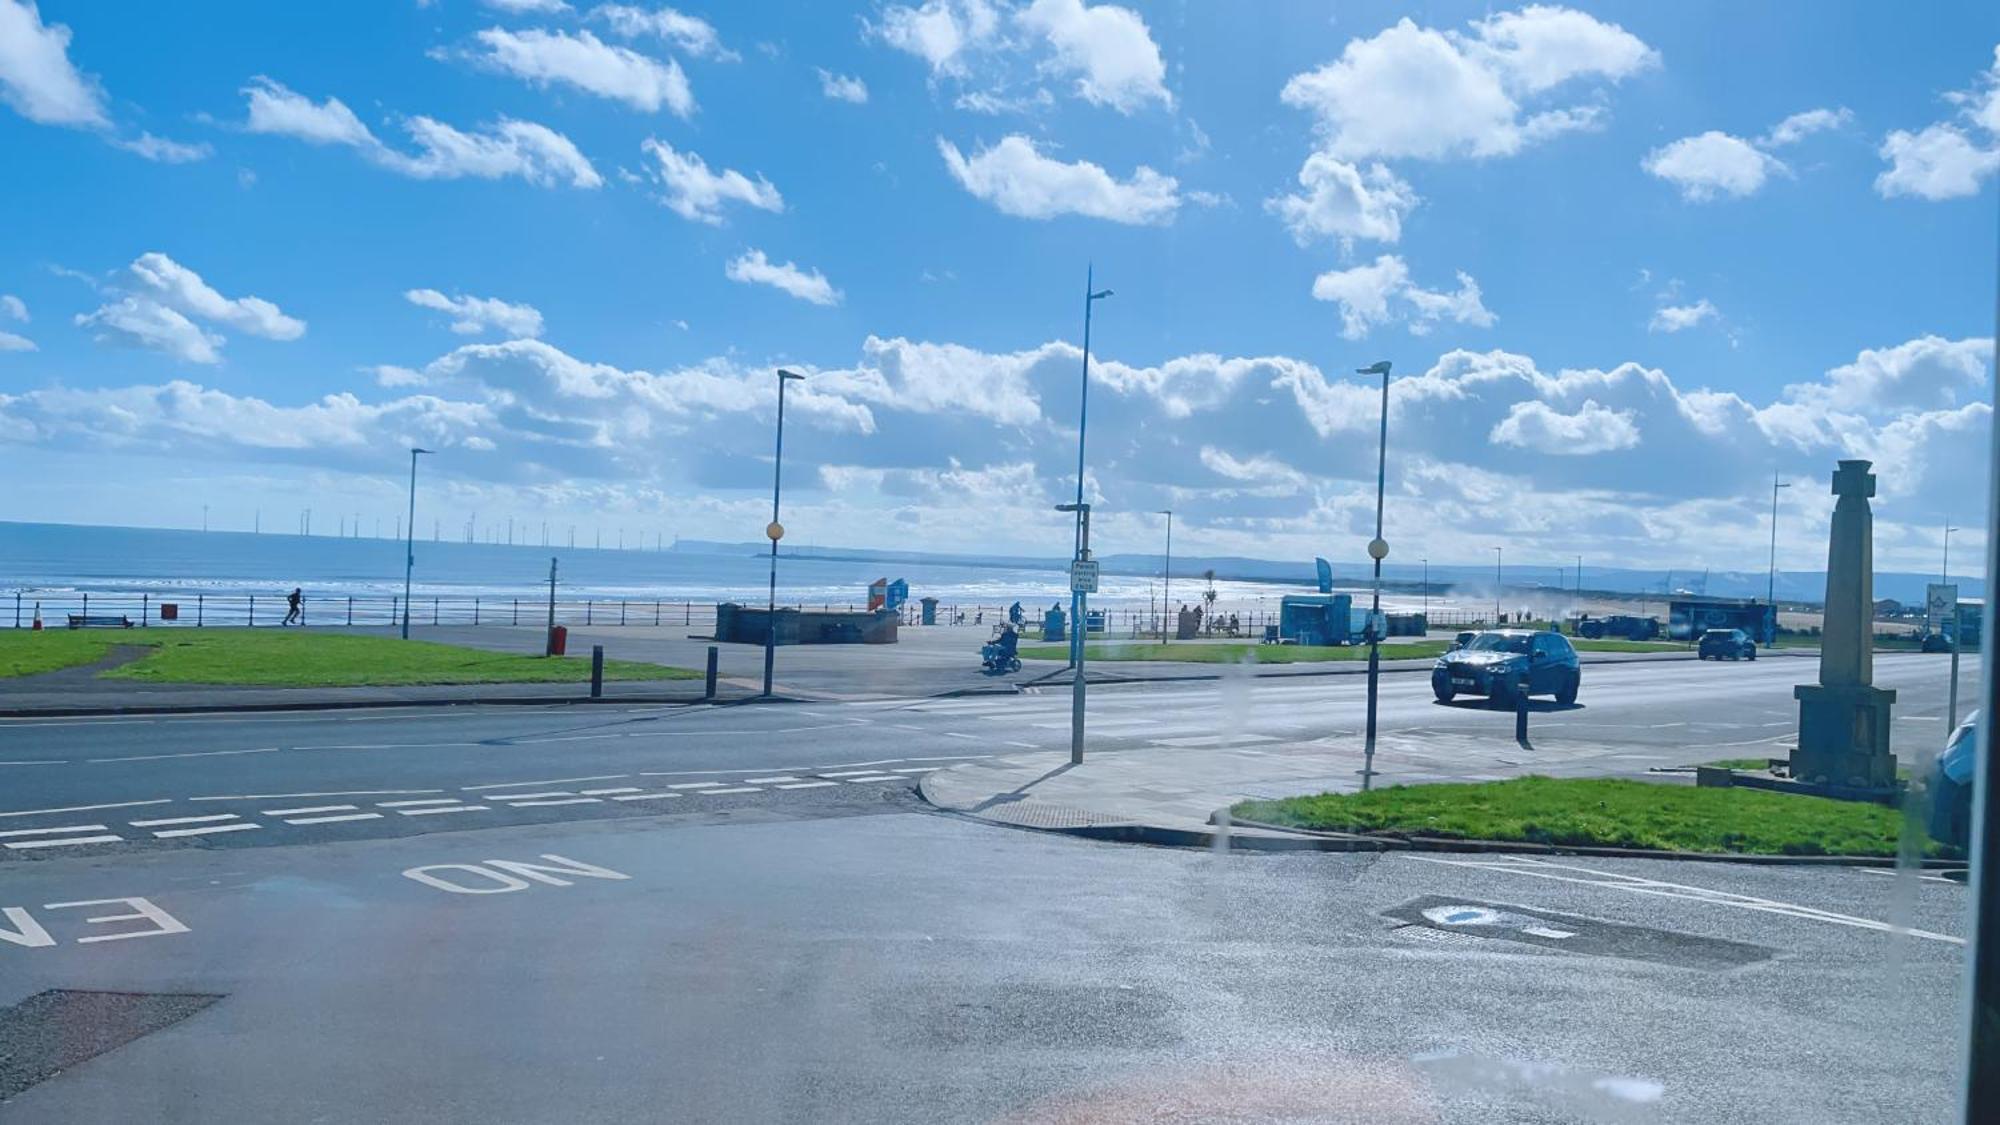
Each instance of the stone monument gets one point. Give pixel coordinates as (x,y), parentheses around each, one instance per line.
(1844,718)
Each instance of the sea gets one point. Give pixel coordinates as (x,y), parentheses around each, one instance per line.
(57,561)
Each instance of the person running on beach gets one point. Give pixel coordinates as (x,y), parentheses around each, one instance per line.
(296,601)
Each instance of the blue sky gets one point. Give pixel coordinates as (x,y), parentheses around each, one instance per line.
(1628,260)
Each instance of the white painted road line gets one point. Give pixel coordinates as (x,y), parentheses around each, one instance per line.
(289,796)
(53,831)
(916,769)
(545,781)
(559,801)
(182,820)
(768,780)
(309,810)
(197,754)
(65,841)
(1212,740)
(873,778)
(444,809)
(806,785)
(336,819)
(417,804)
(720,792)
(647,796)
(92,808)
(608,792)
(851,773)
(695,785)
(526,796)
(170,833)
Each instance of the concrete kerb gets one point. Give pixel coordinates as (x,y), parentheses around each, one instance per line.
(1348,668)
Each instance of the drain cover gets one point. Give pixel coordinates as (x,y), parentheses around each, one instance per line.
(1574,933)
(52,1031)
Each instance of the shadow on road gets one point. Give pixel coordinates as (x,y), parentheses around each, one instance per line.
(1535,706)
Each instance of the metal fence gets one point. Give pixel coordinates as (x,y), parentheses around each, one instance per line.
(236,610)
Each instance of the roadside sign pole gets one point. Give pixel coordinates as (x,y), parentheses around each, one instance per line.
(1082,583)
(549,641)
(1957,633)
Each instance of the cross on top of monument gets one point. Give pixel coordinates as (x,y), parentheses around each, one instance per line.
(1854,479)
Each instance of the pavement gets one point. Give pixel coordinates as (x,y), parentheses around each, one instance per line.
(638,912)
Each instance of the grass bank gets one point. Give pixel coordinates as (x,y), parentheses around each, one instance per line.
(1205,652)
(299,658)
(1602,812)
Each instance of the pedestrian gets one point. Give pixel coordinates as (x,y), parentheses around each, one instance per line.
(1197,619)
(295,602)
(1014,614)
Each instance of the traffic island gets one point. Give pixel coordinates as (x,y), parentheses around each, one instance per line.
(1638,817)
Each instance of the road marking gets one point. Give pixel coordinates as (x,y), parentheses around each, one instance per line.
(65,841)
(336,819)
(1542,869)
(1022,745)
(414,804)
(309,810)
(91,808)
(1870,870)
(850,773)
(547,781)
(527,796)
(293,796)
(53,831)
(967,737)
(807,785)
(197,754)
(647,796)
(182,820)
(905,726)
(873,778)
(36,763)
(720,792)
(608,792)
(695,785)
(916,769)
(769,780)
(1212,740)
(444,809)
(563,801)
(170,833)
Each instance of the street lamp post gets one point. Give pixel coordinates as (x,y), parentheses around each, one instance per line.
(1427,592)
(775,531)
(1771,579)
(1167,596)
(1944,569)
(410,542)
(1078,601)
(1378,549)
(1496,587)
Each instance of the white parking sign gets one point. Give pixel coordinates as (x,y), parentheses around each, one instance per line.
(1083,576)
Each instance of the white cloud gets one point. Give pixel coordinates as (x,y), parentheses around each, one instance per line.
(842,88)
(1414,91)
(1020,181)
(519,7)
(532,152)
(1343,203)
(36,76)
(1676,318)
(166,281)
(691,34)
(940,31)
(1382,292)
(14,308)
(9,342)
(1927,373)
(694,192)
(1949,159)
(1713,164)
(753,268)
(1592,429)
(473,315)
(1108,47)
(1799,126)
(1254,470)
(141,323)
(163,151)
(584,61)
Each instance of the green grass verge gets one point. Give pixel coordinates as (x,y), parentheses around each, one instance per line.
(1739,763)
(1203,652)
(297,658)
(1604,812)
(1585,644)
(24,652)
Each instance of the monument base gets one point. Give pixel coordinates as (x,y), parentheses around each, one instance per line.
(1844,736)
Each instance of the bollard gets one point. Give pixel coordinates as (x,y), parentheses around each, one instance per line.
(253,610)
(1521,713)
(350,609)
(145,610)
(197,610)
(714,654)
(596,671)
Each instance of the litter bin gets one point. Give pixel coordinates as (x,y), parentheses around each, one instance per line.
(1052,625)
(170,611)
(1094,621)
(558,640)
(930,610)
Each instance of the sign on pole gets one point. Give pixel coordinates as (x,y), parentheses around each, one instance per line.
(1083,576)
(1940,601)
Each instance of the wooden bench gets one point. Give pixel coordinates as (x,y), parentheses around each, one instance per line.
(99,621)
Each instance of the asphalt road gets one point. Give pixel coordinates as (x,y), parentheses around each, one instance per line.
(791,935)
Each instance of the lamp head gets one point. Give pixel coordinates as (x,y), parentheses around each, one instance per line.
(1381,368)
(1100,294)
(784,374)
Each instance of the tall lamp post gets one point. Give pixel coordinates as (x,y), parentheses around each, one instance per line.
(410,542)
(1378,549)
(1167,596)
(1496,587)
(1771,579)
(1427,593)
(1944,569)
(775,531)
(1078,603)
